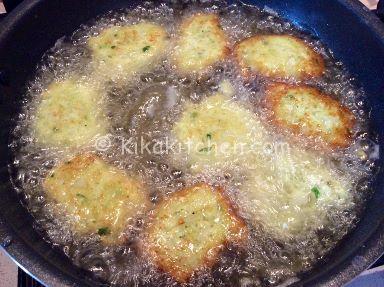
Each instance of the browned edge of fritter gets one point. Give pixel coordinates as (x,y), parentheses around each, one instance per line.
(248,74)
(274,93)
(76,163)
(240,233)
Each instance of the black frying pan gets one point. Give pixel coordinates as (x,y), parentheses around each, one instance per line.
(354,34)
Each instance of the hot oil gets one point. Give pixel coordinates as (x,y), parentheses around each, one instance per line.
(144,108)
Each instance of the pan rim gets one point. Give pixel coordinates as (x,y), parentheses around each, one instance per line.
(49,274)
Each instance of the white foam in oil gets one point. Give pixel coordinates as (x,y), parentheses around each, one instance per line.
(148,105)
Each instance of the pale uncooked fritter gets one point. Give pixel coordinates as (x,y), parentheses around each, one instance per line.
(97,197)
(292,193)
(306,111)
(69,115)
(218,132)
(190,228)
(200,44)
(122,51)
(281,56)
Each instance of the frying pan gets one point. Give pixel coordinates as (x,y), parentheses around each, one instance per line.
(354,34)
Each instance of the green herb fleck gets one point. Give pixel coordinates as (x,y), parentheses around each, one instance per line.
(81,195)
(52,175)
(103,231)
(146,48)
(209,136)
(206,149)
(316,191)
(55,129)
(113,47)
(194,114)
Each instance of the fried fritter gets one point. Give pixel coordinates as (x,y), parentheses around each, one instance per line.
(281,56)
(201,44)
(218,131)
(69,115)
(190,228)
(293,194)
(122,51)
(97,197)
(306,111)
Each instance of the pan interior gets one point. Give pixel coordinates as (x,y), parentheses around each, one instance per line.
(143,106)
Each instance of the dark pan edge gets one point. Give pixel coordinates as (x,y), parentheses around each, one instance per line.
(52,276)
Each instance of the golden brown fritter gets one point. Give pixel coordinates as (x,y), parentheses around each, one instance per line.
(189,229)
(201,44)
(278,56)
(97,197)
(306,111)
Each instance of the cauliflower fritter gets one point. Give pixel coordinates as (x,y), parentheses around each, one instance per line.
(97,197)
(293,192)
(190,228)
(123,51)
(218,131)
(278,56)
(306,111)
(69,115)
(200,45)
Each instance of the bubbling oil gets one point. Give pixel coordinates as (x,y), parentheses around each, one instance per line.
(146,106)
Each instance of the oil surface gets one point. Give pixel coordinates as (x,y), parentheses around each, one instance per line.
(146,106)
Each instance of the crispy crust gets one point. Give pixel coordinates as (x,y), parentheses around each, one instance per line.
(338,137)
(185,62)
(96,196)
(76,164)
(310,68)
(237,233)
